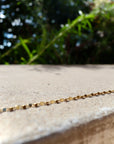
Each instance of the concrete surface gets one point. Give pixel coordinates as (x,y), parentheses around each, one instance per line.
(30,84)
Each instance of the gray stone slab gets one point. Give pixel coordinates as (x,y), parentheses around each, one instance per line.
(23,84)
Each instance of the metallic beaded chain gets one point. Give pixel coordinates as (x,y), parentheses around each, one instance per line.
(47,103)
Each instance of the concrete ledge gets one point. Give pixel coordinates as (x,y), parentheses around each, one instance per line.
(100,131)
(84,121)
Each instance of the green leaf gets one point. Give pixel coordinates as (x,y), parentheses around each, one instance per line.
(12,49)
(26,48)
(43,41)
(79,29)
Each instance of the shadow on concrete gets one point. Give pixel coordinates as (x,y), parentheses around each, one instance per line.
(50,68)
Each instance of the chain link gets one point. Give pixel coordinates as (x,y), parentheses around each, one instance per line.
(47,103)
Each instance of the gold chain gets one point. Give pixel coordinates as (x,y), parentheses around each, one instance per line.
(47,103)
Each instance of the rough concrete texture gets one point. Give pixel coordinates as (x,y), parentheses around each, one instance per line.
(29,84)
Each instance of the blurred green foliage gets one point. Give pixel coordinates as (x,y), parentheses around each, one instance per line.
(56,32)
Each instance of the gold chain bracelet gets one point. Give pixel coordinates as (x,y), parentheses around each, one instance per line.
(33,105)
